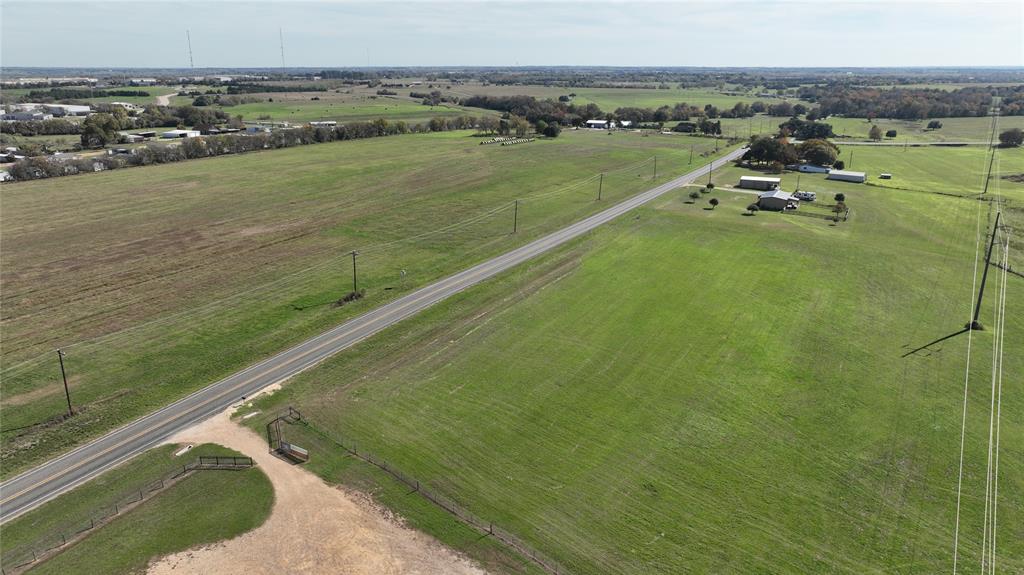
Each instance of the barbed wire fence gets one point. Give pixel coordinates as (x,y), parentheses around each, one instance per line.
(484,526)
(21,558)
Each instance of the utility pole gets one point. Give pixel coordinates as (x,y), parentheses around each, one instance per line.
(355,283)
(63,375)
(798,181)
(600,186)
(851,159)
(280,35)
(691,154)
(515,218)
(975,325)
(655,167)
(188,37)
(709,171)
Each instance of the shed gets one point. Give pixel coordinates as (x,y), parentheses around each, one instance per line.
(776,200)
(759,183)
(180,134)
(812,169)
(847,176)
(885,176)
(597,124)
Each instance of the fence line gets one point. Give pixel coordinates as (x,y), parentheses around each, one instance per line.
(20,558)
(461,513)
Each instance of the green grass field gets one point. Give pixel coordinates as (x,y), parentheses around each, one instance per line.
(689,390)
(206,507)
(159,280)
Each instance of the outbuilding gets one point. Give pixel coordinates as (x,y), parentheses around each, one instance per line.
(776,200)
(597,124)
(179,134)
(847,176)
(759,183)
(812,169)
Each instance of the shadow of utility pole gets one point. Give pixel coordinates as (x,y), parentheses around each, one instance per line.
(941,339)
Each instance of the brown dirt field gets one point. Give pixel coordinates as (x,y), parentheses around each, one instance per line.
(313,528)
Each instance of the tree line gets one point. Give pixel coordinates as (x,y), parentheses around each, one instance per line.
(54,94)
(912,103)
(208,146)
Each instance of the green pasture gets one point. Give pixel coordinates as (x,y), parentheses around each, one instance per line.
(206,507)
(699,390)
(159,280)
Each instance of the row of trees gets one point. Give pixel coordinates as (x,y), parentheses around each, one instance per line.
(779,152)
(190,148)
(911,103)
(54,94)
(52,127)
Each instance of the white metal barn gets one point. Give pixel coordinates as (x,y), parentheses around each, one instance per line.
(759,183)
(847,176)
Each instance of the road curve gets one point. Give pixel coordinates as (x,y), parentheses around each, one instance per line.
(38,485)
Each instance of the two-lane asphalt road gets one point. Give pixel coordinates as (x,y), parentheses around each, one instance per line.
(45,482)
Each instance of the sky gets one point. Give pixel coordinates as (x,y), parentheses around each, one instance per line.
(822,33)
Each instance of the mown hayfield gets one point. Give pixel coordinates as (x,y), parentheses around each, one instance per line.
(952,130)
(692,390)
(159,280)
(206,507)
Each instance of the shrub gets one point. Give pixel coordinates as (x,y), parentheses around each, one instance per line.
(890,134)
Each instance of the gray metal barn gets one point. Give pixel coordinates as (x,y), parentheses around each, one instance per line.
(776,200)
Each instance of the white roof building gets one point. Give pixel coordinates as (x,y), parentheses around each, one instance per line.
(847,176)
(180,134)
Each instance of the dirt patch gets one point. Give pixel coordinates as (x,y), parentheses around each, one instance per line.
(314,527)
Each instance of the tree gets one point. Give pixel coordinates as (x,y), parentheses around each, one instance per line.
(840,197)
(694,196)
(890,134)
(839,165)
(98,130)
(713,202)
(1011,138)
(753,209)
(540,126)
(553,130)
(818,151)
(875,133)
(710,186)
(934,125)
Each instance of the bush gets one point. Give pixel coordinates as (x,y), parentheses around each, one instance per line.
(839,165)
(1011,138)
(776,167)
(553,130)
(752,208)
(890,134)
(709,186)
(934,125)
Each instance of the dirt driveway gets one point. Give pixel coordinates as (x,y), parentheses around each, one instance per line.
(313,528)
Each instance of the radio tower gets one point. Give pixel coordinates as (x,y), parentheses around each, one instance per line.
(188,37)
(280,35)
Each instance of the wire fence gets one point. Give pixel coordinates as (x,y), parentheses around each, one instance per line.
(20,558)
(464,515)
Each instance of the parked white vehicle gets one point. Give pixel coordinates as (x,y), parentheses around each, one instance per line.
(805,196)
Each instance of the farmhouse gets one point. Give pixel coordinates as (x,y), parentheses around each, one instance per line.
(847,176)
(597,124)
(759,183)
(776,200)
(179,134)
